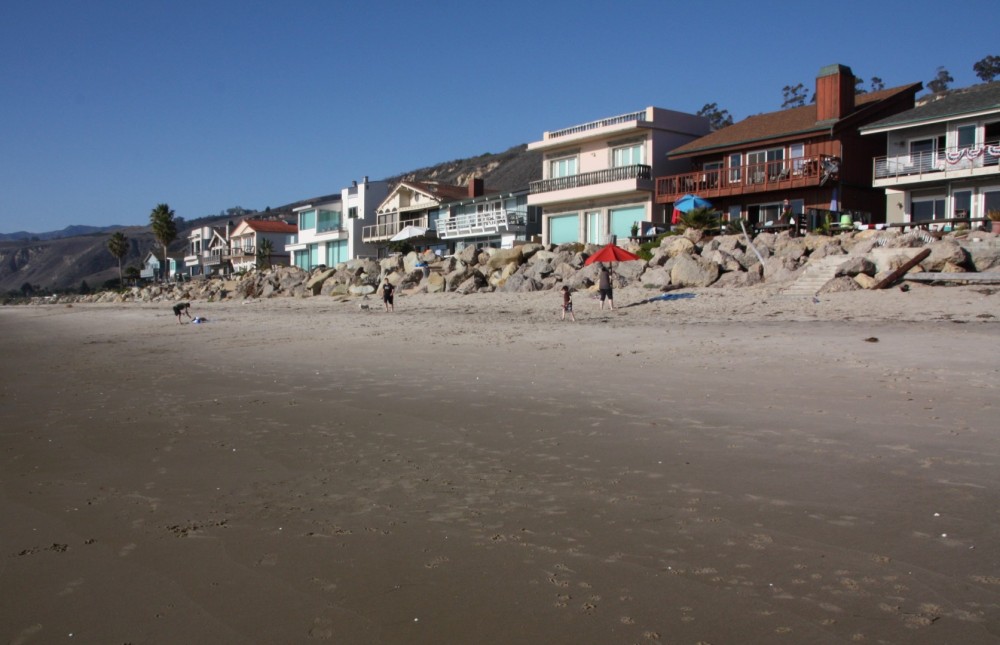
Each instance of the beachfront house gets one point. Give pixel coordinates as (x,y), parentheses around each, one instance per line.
(488,219)
(410,212)
(245,243)
(152,265)
(940,166)
(207,251)
(330,228)
(597,177)
(812,156)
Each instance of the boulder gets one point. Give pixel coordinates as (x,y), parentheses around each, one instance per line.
(837,285)
(864,280)
(693,271)
(944,252)
(503,257)
(435,283)
(656,277)
(983,253)
(315,283)
(856,265)
(675,245)
(740,279)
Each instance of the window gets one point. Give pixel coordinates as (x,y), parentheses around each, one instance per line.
(961,203)
(991,200)
(593,219)
(564,167)
(924,152)
(307,220)
(765,164)
(713,169)
(966,136)
(622,220)
(630,155)
(352,212)
(564,228)
(796,152)
(735,161)
(927,208)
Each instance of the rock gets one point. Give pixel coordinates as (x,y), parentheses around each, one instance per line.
(837,285)
(435,283)
(725,261)
(983,253)
(362,289)
(675,245)
(780,270)
(693,271)
(944,252)
(315,283)
(655,277)
(864,280)
(504,257)
(856,265)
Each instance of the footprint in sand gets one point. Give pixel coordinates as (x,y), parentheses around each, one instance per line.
(127,550)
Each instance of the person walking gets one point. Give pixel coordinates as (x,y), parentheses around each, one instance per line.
(567,307)
(387,293)
(604,286)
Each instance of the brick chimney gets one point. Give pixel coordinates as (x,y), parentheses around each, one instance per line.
(476,187)
(834,92)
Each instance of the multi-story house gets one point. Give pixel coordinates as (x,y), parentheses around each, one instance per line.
(942,157)
(245,242)
(413,204)
(597,178)
(152,266)
(330,228)
(497,219)
(208,247)
(812,156)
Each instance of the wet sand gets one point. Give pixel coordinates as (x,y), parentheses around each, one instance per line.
(728,468)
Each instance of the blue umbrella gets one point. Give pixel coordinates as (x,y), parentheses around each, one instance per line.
(690,202)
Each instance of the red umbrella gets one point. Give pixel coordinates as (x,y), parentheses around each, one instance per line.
(611,253)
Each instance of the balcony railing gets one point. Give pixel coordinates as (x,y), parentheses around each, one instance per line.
(593,125)
(638,171)
(240,251)
(780,174)
(479,223)
(386,230)
(935,161)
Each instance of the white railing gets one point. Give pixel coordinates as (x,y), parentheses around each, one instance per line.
(593,125)
(934,161)
(388,229)
(479,223)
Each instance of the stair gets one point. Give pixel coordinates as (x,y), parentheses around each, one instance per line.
(817,273)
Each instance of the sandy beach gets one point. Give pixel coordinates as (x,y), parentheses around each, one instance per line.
(728,466)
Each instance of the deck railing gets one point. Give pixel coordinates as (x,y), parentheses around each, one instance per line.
(935,161)
(638,171)
(593,125)
(479,223)
(750,178)
(388,229)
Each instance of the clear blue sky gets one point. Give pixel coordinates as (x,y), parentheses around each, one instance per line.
(109,108)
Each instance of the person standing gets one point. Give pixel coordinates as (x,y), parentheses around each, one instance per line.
(387,293)
(604,286)
(567,304)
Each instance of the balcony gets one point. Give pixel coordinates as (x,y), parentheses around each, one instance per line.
(385,230)
(936,165)
(479,224)
(241,251)
(589,185)
(596,125)
(779,175)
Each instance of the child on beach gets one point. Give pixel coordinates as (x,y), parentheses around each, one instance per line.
(387,292)
(567,304)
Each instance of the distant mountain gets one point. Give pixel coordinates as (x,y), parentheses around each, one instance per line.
(69,231)
(64,259)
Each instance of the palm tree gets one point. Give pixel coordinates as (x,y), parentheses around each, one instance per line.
(700,218)
(264,251)
(165,230)
(118,246)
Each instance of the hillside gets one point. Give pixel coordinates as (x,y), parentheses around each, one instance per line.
(62,260)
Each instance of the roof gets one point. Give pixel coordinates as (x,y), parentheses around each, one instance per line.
(952,103)
(270,226)
(783,123)
(443,192)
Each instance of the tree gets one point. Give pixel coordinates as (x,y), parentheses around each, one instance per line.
(165,230)
(794,96)
(118,246)
(27,290)
(264,251)
(987,69)
(717,119)
(940,82)
(84,288)
(877,84)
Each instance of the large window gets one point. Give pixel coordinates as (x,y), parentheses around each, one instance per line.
(991,200)
(796,152)
(336,252)
(622,220)
(765,164)
(926,208)
(307,220)
(961,203)
(328,221)
(563,167)
(564,229)
(630,155)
